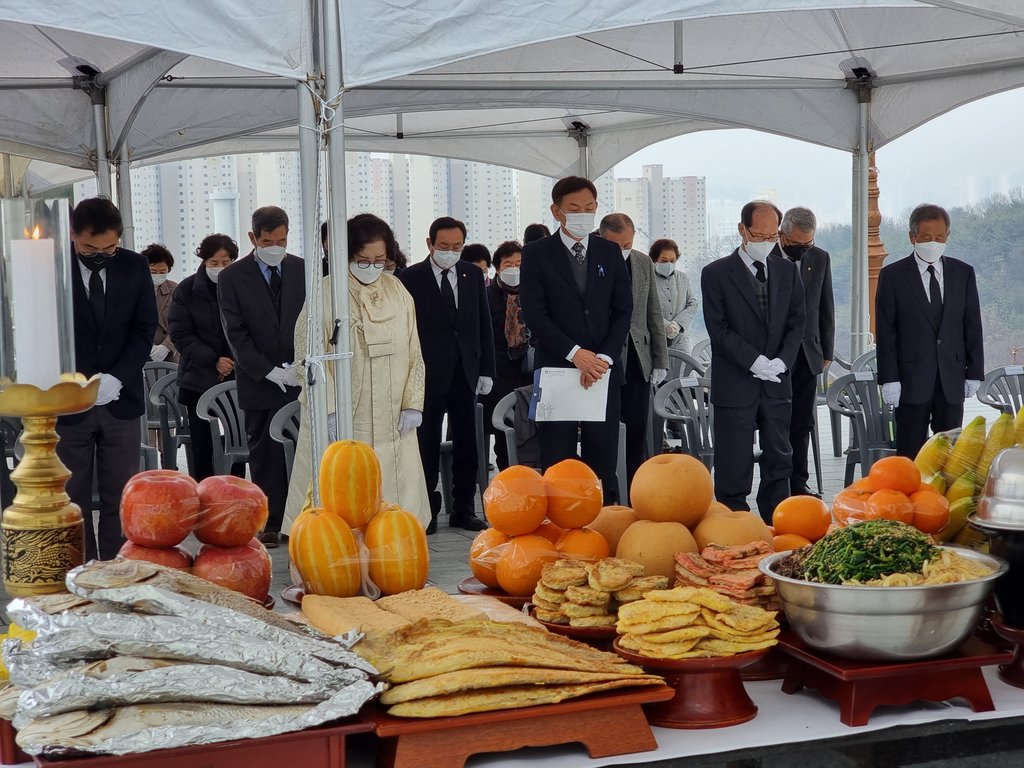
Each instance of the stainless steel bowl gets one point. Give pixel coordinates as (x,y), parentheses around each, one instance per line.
(889,623)
(1002,502)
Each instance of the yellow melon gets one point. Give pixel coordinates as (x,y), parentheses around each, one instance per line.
(654,545)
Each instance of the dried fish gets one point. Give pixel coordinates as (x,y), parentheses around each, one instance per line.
(9,695)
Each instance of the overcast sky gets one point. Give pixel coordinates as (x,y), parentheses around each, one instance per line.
(959,158)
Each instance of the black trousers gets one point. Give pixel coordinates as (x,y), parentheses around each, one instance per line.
(734,457)
(634,403)
(912,420)
(7,489)
(599,441)
(201,437)
(109,449)
(805,398)
(266,464)
(459,402)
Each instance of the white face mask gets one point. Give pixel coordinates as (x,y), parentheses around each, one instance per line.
(759,251)
(510,276)
(159,279)
(580,224)
(626,252)
(272,255)
(214,273)
(929,253)
(665,268)
(365,275)
(445,259)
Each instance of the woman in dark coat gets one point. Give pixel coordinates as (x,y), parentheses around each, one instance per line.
(198,335)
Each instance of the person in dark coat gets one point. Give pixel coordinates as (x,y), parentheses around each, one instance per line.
(198,335)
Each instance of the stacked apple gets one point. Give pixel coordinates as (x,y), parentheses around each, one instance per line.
(160,508)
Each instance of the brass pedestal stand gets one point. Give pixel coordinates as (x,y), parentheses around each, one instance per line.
(42,534)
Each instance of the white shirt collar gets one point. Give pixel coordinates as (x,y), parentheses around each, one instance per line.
(751,262)
(569,242)
(922,266)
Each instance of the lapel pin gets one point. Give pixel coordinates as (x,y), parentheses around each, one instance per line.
(600,270)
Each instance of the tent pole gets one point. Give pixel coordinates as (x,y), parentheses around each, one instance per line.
(99,119)
(859,296)
(338,252)
(124,199)
(7,188)
(309,149)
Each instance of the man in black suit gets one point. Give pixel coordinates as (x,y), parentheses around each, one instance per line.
(754,313)
(454,324)
(796,241)
(645,358)
(261,296)
(114,319)
(575,292)
(931,352)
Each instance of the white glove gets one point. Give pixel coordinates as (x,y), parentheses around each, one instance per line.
(484,385)
(159,353)
(110,389)
(658,376)
(284,377)
(891,393)
(408,420)
(971,387)
(776,366)
(762,369)
(672,329)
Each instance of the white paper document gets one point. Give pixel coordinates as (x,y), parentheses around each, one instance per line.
(559,396)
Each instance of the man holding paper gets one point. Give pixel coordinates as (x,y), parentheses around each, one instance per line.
(577,303)
(754,312)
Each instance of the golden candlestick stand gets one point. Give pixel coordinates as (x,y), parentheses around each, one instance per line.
(42,535)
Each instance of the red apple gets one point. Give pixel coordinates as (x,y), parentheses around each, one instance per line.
(159,508)
(172,557)
(166,473)
(232,511)
(245,569)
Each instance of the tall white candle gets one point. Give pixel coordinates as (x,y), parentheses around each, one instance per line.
(34,299)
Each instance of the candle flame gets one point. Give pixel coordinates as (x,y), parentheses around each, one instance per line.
(35,234)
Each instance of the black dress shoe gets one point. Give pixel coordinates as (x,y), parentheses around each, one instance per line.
(269,539)
(467,522)
(805,491)
(432,526)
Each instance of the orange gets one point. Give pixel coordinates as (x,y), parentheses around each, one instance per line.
(549,531)
(515,502)
(787,541)
(850,505)
(574,494)
(931,511)
(804,516)
(521,561)
(927,487)
(583,544)
(484,553)
(861,484)
(895,473)
(891,505)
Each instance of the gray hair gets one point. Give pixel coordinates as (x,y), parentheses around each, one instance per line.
(616,222)
(927,212)
(801,218)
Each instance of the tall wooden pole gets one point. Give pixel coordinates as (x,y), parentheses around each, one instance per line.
(876,249)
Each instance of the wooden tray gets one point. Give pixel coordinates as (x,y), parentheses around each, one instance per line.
(708,692)
(597,636)
(322,747)
(772,666)
(607,724)
(10,752)
(860,687)
(473,586)
(1011,673)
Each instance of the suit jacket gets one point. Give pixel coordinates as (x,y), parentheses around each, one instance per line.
(560,315)
(164,292)
(739,332)
(820,320)
(911,349)
(198,333)
(646,326)
(121,346)
(261,339)
(469,341)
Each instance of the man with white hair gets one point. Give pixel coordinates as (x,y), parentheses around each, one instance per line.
(796,243)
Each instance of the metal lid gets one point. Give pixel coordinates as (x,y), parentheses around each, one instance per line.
(1002,503)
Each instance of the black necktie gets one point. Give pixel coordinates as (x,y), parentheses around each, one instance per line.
(97,298)
(577,252)
(275,285)
(447,294)
(759,268)
(934,295)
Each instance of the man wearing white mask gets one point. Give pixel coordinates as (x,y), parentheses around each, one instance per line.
(931,352)
(577,302)
(754,312)
(454,325)
(260,297)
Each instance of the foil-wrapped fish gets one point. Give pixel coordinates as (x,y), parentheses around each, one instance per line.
(26,668)
(146,727)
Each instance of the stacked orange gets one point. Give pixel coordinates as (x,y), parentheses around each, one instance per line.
(893,490)
(536,519)
(799,521)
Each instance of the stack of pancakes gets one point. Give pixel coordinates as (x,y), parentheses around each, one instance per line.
(688,622)
(588,595)
(730,571)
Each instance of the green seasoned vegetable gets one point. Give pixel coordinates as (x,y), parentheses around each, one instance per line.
(868,550)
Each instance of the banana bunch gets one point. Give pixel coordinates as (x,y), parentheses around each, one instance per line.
(958,467)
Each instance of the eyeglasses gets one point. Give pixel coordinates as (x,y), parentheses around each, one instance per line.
(87,251)
(364,264)
(807,244)
(754,237)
